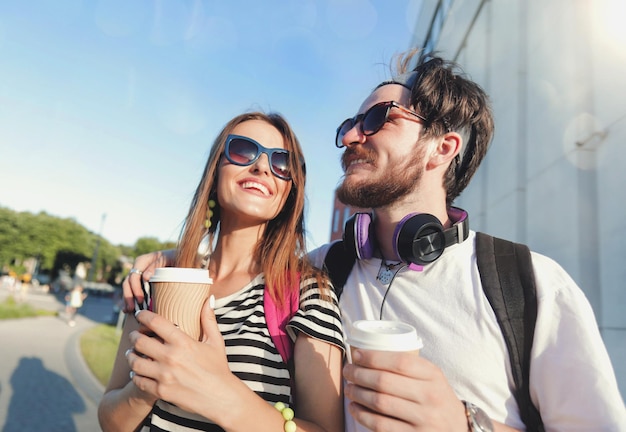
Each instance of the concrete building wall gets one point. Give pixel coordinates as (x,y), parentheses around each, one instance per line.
(555,175)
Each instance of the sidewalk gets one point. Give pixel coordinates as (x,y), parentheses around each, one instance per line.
(44,381)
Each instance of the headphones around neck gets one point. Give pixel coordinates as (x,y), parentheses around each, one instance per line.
(419,238)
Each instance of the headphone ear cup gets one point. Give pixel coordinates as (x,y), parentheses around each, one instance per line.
(356,233)
(420,239)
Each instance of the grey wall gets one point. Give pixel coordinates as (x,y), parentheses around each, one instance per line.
(555,174)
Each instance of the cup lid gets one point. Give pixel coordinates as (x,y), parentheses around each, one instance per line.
(180,274)
(384,336)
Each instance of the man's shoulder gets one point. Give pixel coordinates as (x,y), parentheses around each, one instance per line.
(549,275)
(538,258)
(318,254)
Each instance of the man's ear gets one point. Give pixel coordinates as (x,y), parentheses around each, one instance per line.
(448,146)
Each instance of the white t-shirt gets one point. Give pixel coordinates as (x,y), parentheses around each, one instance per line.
(571,378)
(76,299)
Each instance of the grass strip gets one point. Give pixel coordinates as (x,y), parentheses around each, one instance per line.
(11,309)
(98,346)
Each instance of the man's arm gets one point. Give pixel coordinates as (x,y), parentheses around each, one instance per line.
(402,391)
(143,269)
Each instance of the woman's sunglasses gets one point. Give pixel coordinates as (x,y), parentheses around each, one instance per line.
(244,151)
(371,121)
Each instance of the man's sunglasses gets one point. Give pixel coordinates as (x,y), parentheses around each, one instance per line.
(371,121)
(244,151)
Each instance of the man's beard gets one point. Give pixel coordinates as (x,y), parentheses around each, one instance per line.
(383,190)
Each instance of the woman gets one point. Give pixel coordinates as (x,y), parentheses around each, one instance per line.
(74,301)
(249,206)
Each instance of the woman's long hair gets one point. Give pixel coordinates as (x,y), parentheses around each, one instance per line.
(281,251)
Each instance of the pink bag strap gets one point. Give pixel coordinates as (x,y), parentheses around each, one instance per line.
(277,319)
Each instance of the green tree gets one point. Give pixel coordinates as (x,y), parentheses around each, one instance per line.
(62,243)
(145,245)
(9,231)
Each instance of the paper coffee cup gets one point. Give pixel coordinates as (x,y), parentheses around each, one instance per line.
(383,336)
(178,294)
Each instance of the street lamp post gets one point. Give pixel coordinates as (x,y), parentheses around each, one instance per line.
(94,258)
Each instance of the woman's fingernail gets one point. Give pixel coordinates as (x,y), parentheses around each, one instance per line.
(212,301)
(128,351)
(137,312)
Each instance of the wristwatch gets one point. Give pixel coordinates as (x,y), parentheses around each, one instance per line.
(477,419)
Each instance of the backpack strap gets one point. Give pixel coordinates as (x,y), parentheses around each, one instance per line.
(278,317)
(508,281)
(338,263)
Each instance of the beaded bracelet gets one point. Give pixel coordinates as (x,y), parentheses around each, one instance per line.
(288,414)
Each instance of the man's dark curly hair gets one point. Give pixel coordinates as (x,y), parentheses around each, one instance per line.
(450,101)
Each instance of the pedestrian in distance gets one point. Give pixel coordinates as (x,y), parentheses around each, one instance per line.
(73,302)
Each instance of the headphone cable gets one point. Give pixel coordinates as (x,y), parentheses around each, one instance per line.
(380,316)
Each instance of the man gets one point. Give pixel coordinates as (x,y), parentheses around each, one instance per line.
(413,147)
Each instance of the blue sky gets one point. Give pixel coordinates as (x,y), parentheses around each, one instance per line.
(109,107)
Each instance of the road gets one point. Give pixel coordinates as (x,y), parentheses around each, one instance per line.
(45,384)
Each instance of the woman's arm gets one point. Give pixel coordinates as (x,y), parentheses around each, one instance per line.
(318,395)
(178,369)
(123,406)
(318,383)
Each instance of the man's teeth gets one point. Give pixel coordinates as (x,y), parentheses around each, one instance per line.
(358,161)
(258,186)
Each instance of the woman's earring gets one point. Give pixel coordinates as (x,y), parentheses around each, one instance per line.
(209,214)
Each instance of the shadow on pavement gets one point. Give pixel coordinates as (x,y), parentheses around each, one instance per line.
(35,403)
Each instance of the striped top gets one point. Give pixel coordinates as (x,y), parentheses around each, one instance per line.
(251,354)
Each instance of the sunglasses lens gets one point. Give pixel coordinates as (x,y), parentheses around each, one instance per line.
(374,119)
(280,164)
(342,130)
(241,151)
